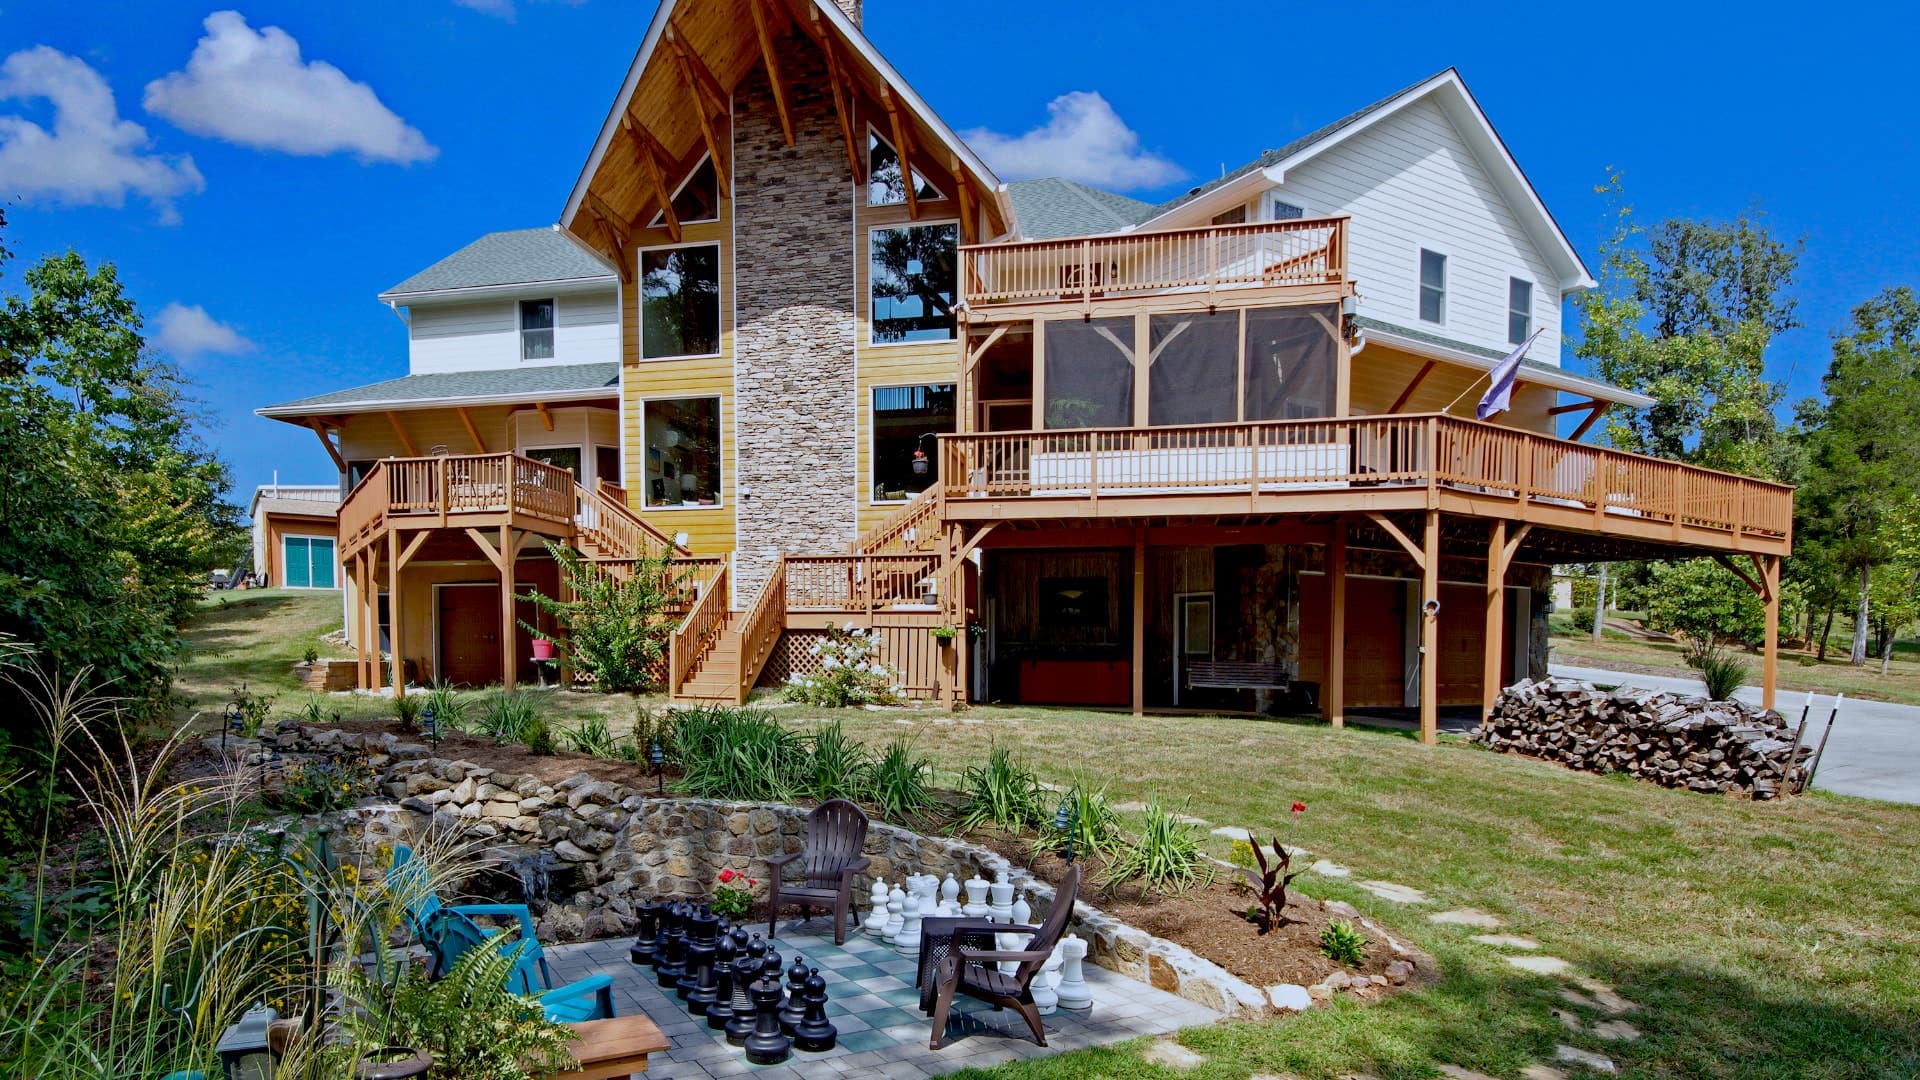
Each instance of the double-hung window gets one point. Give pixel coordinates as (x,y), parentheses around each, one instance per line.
(1519,310)
(1433,286)
(536,329)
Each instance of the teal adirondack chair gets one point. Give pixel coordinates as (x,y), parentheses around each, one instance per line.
(447,931)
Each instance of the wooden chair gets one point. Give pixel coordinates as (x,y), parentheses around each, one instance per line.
(836,835)
(958,957)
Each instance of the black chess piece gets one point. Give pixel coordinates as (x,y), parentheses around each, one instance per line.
(770,965)
(794,1009)
(745,969)
(648,940)
(698,985)
(721,1010)
(814,1033)
(669,961)
(768,1045)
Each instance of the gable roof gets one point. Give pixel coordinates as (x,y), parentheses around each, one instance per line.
(1051,207)
(513,257)
(548,382)
(1450,92)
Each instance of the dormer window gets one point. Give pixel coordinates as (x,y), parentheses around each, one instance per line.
(536,329)
(885,183)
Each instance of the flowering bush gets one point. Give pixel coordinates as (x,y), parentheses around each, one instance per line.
(321,787)
(851,674)
(732,893)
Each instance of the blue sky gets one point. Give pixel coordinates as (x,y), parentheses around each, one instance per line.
(403,130)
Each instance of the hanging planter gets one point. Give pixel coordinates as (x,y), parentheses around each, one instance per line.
(944,635)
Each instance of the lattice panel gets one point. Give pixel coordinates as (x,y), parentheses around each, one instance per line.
(793,656)
(909,650)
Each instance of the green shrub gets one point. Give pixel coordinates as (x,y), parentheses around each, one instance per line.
(649,726)
(449,708)
(839,765)
(743,754)
(505,714)
(1166,858)
(1002,792)
(254,709)
(537,736)
(1343,944)
(1582,619)
(1095,828)
(898,782)
(406,709)
(617,630)
(851,673)
(1722,671)
(311,655)
(592,737)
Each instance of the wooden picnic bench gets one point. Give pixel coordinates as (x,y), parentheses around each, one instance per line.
(615,1047)
(1236,675)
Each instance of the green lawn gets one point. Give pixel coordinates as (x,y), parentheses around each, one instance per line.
(1762,939)
(1799,671)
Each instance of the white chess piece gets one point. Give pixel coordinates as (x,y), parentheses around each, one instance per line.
(908,939)
(1009,943)
(950,895)
(1045,998)
(896,905)
(927,888)
(1073,990)
(1022,911)
(976,905)
(1001,909)
(876,923)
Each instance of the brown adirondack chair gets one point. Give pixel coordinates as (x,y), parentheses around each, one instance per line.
(836,834)
(957,956)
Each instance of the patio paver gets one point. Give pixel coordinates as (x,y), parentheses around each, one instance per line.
(882,1031)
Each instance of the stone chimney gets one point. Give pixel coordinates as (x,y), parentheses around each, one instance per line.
(852,8)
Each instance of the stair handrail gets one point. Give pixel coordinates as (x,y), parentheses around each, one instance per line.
(630,535)
(695,634)
(760,628)
(925,509)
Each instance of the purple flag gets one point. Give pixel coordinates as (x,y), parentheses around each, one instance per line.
(1499,396)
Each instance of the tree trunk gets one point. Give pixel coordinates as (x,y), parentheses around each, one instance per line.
(1886,651)
(1600,604)
(1861,616)
(1826,631)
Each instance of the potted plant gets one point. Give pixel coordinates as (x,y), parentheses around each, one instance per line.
(733,893)
(542,647)
(944,635)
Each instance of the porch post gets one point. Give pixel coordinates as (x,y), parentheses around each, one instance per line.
(1430,634)
(393,614)
(1139,622)
(360,678)
(508,662)
(1491,646)
(1335,692)
(1770,662)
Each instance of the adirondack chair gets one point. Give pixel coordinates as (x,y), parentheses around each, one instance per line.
(957,956)
(447,931)
(836,833)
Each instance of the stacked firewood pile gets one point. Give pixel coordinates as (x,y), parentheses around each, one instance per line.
(1685,742)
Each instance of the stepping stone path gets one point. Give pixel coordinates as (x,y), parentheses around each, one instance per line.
(1506,941)
(1542,1072)
(1541,965)
(1234,832)
(1329,869)
(1467,917)
(1399,894)
(1455,1072)
(1172,1055)
(1573,1055)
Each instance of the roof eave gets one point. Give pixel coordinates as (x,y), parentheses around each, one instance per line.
(1241,187)
(500,288)
(1565,381)
(295,411)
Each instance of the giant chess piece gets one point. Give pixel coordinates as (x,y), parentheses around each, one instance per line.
(794,1009)
(813,1033)
(702,946)
(949,896)
(768,1045)
(1001,909)
(700,921)
(1022,910)
(670,961)
(976,905)
(1073,990)
(746,968)
(1045,998)
(721,1010)
(876,924)
(908,939)
(896,903)
(648,940)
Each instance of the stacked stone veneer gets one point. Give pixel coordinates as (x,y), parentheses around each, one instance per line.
(795,389)
(616,847)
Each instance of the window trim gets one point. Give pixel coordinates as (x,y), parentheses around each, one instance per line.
(659,220)
(1420,284)
(906,168)
(530,450)
(720,426)
(721,299)
(958,230)
(1274,195)
(873,429)
(334,574)
(1527,313)
(520,328)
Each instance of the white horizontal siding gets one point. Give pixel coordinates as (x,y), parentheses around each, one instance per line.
(478,335)
(1410,182)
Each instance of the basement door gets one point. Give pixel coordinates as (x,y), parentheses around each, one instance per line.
(467,618)
(1193,636)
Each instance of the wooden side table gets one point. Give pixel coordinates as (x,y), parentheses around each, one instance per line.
(615,1047)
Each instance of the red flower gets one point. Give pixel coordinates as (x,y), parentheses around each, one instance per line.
(751,883)
(727,876)
(1299,807)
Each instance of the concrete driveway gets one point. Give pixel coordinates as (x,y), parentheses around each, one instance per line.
(1874,752)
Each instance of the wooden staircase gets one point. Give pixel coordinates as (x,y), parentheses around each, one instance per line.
(715,674)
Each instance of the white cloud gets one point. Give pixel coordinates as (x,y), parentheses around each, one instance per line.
(251,87)
(187,331)
(91,157)
(1083,139)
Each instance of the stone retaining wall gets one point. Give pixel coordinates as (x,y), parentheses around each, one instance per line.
(613,847)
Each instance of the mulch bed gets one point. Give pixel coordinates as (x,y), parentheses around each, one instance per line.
(1209,919)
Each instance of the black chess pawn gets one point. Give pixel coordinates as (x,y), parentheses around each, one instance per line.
(814,1033)
(770,965)
(721,1010)
(648,940)
(670,960)
(745,970)
(794,1009)
(768,1045)
(698,985)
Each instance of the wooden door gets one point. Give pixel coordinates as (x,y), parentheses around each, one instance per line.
(1374,645)
(1463,637)
(468,618)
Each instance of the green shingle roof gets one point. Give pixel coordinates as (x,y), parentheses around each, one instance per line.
(523,383)
(514,257)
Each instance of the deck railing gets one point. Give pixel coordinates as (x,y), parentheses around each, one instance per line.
(857,583)
(1304,251)
(912,527)
(605,516)
(482,483)
(696,633)
(1361,453)
(760,628)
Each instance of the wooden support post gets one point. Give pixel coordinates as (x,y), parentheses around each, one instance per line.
(360,678)
(509,661)
(1491,680)
(398,666)
(1139,622)
(1430,633)
(1335,692)
(767,56)
(1770,658)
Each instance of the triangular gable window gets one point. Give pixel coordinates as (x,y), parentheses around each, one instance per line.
(696,199)
(885,186)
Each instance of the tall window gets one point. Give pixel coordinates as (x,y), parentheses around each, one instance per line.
(536,329)
(683,452)
(906,420)
(1433,286)
(912,280)
(886,182)
(680,301)
(1519,310)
